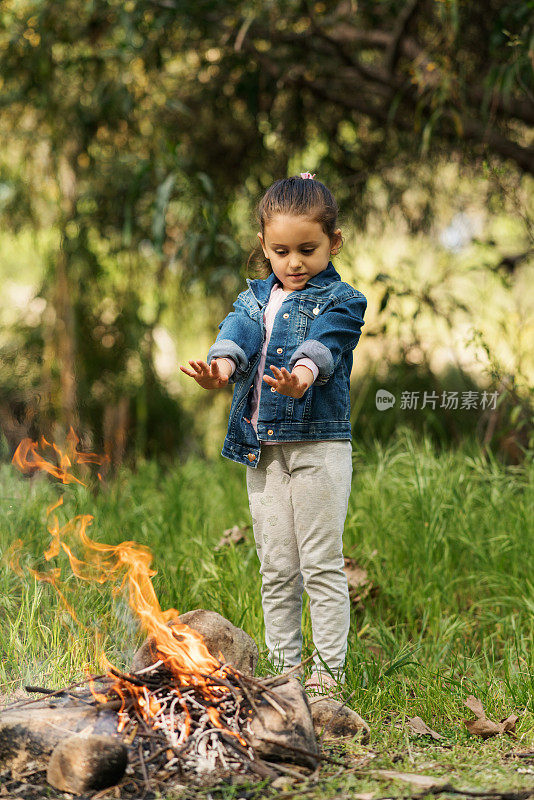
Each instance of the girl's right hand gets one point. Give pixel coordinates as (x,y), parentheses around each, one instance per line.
(209,376)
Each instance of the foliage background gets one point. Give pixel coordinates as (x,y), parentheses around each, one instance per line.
(137,138)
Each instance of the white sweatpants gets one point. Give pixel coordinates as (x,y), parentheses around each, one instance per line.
(298,497)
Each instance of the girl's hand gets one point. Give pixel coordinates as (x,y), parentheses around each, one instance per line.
(209,376)
(292,384)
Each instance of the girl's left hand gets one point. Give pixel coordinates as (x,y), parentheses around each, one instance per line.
(292,384)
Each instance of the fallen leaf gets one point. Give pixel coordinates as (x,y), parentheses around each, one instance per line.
(360,587)
(474,705)
(484,727)
(421,728)
(356,575)
(508,724)
(424,781)
(234,535)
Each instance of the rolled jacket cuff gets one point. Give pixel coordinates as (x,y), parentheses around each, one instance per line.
(228,348)
(319,354)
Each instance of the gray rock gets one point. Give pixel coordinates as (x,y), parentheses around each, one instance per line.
(220,636)
(87,763)
(288,736)
(337,720)
(30,733)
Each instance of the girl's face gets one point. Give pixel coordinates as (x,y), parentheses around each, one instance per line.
(297,248)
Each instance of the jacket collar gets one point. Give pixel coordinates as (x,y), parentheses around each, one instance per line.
(261,289)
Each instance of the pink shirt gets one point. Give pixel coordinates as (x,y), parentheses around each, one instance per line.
(276,298)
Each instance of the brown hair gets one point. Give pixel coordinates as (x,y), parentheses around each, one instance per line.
(293,195)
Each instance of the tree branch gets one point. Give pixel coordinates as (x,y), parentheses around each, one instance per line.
(504,107)
(471,129)
(354,91)
(393,48)
(483,134)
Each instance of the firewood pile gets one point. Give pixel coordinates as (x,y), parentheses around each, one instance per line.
(147,733)
(214,727)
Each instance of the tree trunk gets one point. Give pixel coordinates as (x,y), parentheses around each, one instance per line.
(65,338)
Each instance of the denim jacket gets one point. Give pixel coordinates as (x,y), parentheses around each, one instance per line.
(323,322)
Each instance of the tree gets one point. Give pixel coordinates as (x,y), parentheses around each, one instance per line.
(158,123)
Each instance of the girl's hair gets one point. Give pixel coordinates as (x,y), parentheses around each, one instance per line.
(294,195)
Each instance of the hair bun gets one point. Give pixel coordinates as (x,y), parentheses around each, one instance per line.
(305,175)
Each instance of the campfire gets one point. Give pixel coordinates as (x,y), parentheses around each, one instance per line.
(186,716)
(86,737)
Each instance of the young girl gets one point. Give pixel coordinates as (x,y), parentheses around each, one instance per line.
(292,428)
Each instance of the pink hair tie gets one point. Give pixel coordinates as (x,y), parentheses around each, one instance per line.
(307,175)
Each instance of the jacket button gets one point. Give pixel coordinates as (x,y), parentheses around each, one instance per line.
(286,316)
(279,349)
(270,432)
(273,389)
(251,457)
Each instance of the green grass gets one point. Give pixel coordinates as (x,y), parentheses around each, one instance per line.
(446,538)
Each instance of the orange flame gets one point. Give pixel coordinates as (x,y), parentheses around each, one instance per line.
(12,556)
(128,564)
(182,648)
(52,578)
(28,460)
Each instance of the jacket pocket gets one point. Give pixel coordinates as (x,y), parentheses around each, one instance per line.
(308,311)
(311,308)
(299,410)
